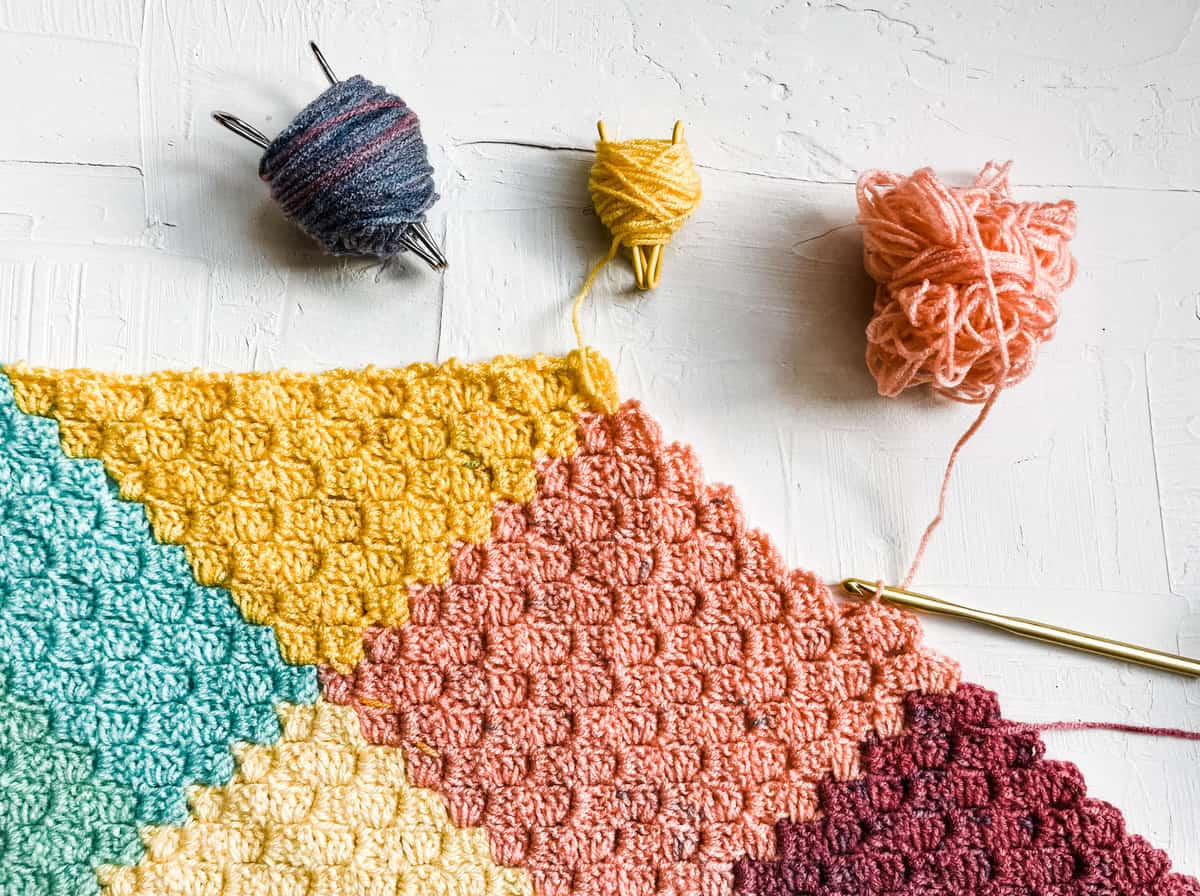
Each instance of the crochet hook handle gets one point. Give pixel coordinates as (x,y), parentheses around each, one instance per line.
(1028,628)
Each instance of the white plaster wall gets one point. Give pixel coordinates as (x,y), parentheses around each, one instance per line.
(135,235)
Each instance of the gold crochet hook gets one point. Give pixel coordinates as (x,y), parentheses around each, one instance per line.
(1028,628)
(646,271)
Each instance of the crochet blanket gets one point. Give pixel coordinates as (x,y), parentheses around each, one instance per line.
(468,629)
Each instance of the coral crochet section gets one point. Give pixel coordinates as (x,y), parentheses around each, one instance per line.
(624,686)
(317,499)
(319,813)
(963,803)
(108,630)
(57,822)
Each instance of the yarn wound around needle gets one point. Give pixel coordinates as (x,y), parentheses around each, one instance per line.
(643,190)
(353,171)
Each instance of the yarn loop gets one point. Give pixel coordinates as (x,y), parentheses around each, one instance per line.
(933,321)
(352,170)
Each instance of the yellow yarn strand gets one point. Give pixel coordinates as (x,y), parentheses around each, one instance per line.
(584,290)
(643,191)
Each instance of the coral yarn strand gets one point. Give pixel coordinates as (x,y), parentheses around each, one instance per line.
(1005,363)
(968,284)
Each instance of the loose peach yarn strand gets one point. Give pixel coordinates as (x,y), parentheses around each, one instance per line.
(936,254)
(924,247)
(1001,374)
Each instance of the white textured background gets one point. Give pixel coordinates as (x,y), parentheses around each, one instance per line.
(135,235)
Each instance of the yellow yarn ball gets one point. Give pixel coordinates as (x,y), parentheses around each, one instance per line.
(644,190)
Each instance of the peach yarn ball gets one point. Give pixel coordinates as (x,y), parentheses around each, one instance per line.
(962,273)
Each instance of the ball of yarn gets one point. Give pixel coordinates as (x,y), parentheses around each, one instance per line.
(939,256)
(352,170)
(644,190)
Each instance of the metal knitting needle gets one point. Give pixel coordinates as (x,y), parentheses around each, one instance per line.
(432,253)
(426,238)
(321,61)
(1028,628)
(418,250)
(242,129)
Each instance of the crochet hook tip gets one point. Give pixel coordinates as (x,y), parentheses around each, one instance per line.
(1027,628)
(856,587)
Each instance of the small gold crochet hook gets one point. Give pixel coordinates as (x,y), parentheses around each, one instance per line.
(1027,628)
(646,271)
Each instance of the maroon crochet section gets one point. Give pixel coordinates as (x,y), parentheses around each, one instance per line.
(963,803)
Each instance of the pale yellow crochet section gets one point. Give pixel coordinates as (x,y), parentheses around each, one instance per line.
(317,499)
(320,813)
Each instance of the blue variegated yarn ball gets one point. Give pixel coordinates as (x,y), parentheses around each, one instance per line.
(352,170)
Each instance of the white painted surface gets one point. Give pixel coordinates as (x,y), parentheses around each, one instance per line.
(134,235)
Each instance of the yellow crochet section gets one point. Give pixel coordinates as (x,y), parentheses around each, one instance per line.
(317,499)
(320,813)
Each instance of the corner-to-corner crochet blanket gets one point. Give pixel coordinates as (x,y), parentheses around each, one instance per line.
(468,630)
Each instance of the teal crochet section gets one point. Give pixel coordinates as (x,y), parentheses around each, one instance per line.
(107,628)
(57,822)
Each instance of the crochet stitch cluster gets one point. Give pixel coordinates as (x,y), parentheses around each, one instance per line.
(962,803)
(318,499)
(321,812)
(625,686)
(57,821)
(106,629)
(553,661)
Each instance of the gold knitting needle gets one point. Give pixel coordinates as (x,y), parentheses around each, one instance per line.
(243,129)
(639,274)
(654,268)
(1027,628)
